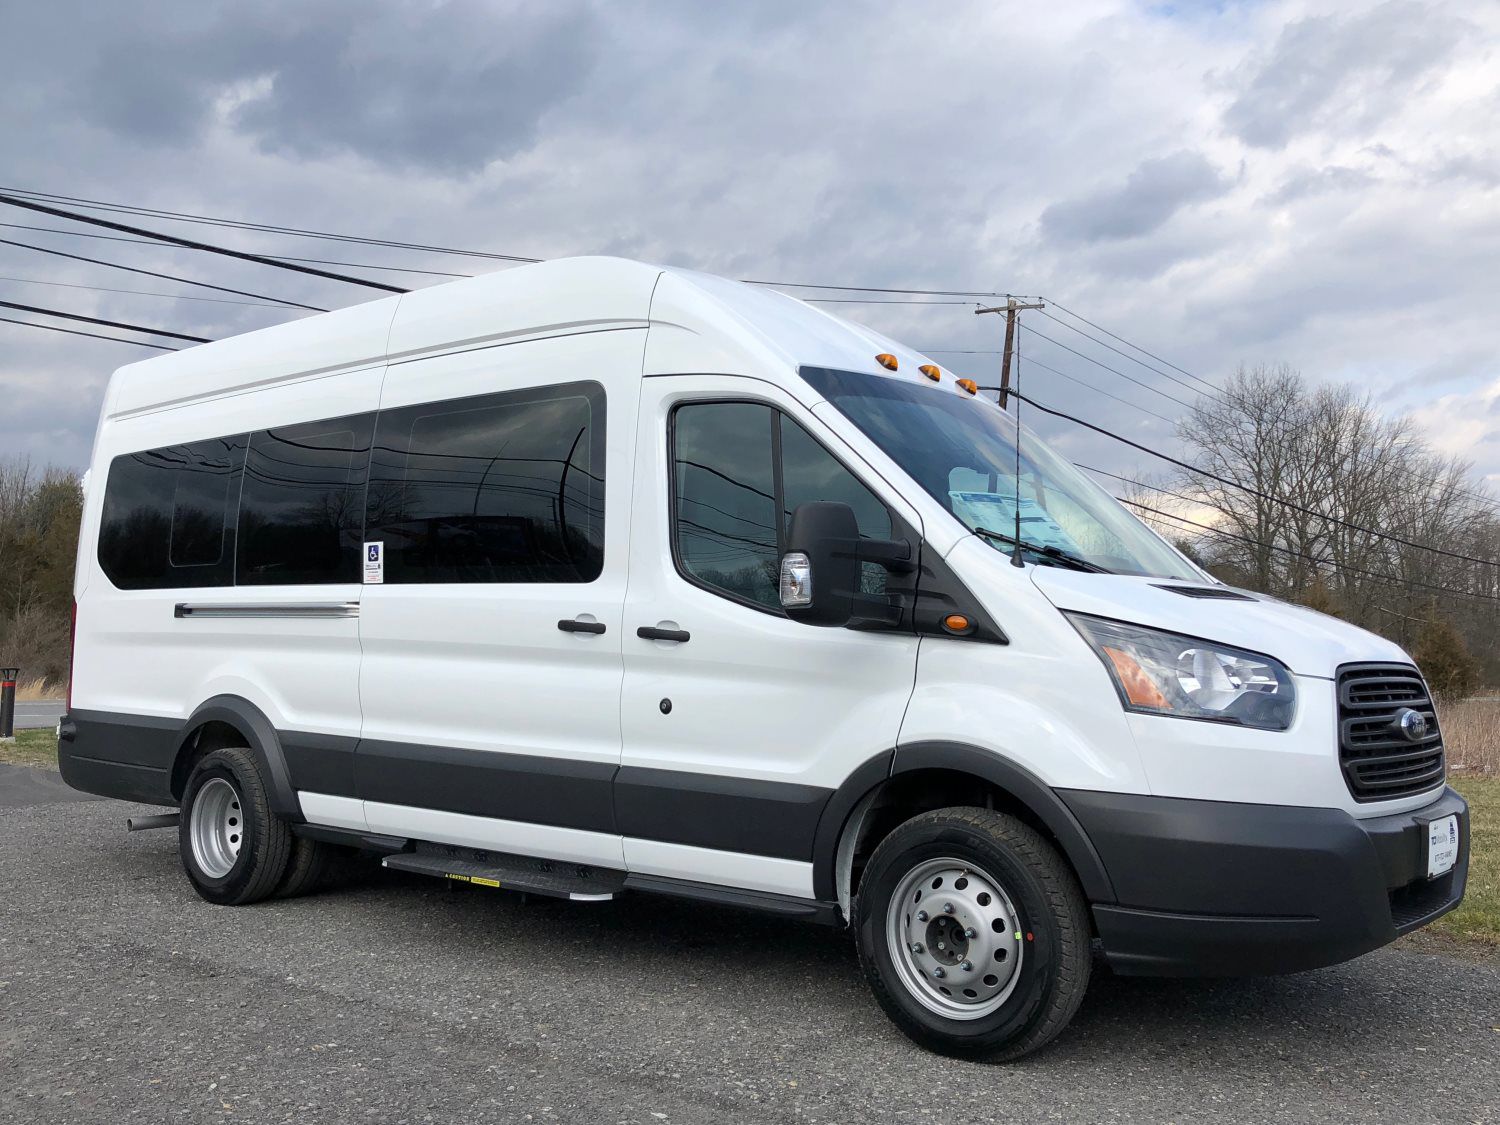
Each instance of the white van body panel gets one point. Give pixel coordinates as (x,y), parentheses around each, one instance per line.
(1306,641)
(134,656)
(1043,701)
(560,298)
(290,352)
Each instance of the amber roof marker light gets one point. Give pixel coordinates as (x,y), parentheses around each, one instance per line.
(886,360)
(932,371)
(969,385)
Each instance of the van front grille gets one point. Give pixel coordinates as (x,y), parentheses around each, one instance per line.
(1380,760)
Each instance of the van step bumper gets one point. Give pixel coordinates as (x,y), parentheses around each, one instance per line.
(579,882)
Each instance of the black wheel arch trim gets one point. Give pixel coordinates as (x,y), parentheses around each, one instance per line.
(1036,795)
(261,739)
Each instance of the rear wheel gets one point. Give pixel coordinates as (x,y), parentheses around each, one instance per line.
(234,849)
(973,934)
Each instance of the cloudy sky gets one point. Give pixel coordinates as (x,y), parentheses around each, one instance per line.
(1309,181)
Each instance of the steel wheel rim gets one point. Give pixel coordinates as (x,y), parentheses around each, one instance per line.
(931,944)
(216,827)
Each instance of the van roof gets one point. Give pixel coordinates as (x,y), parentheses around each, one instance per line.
(715,325)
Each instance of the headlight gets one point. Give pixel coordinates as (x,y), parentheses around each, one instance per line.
(1161,673)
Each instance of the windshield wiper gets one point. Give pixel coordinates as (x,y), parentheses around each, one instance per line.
(1052,554)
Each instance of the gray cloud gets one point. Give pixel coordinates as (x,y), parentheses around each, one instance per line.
(1344,70)
(1070,153)
(1152,194)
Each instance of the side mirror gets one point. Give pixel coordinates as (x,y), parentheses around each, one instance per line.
(820,570)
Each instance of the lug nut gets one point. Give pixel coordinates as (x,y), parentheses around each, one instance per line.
(967,966)
(971,933)
(939,972)
(921,915)
(947,908)
(918,947)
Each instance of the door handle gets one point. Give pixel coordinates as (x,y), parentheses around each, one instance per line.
(652,633)
(568,625)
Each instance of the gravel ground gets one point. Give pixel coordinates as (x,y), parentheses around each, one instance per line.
(124,998)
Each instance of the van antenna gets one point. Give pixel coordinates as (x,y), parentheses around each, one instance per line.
(1015,555)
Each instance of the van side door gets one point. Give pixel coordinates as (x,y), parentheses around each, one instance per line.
(498,509)
(739,723)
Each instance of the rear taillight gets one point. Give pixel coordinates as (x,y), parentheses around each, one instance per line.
(72,648)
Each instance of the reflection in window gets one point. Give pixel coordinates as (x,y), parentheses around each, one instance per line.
(302,503)
(493,488)
(167,516)
(726,499)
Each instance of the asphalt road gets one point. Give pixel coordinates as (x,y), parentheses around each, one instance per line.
(42,713)
(125,998)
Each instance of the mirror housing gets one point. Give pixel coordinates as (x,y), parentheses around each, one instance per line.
(820,571)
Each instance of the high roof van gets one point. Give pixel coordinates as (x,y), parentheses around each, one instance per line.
(594,577)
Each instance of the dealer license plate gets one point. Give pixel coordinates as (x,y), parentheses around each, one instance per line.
(1442,846)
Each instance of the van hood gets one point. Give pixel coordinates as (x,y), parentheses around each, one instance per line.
(1307,642)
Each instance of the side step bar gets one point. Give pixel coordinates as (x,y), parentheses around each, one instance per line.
(578,882)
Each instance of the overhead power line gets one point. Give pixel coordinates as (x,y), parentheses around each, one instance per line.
(94,335)
(140,292)
(163,276)
(1391,578)
(207,247)
(1253,491)
(1107,367)
(1137,347)
(268,228)
(278,257)
(1212,391)
(105,323)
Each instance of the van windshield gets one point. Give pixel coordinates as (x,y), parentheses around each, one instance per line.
(964,454)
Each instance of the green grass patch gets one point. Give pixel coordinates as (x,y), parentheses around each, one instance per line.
(31,748)
(1478,919)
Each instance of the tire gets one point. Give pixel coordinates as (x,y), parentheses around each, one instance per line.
(225,792)
(308,869)
(1017,912)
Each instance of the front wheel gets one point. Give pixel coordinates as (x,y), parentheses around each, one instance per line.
(973,934)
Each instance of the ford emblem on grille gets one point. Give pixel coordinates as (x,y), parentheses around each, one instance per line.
(1413,724)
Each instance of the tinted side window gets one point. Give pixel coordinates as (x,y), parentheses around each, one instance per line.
(727,483)
(302,504)
(493,488)
(726,498)
(168,516)
(810,472)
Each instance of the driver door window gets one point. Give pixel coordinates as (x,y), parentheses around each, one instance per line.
(739,471)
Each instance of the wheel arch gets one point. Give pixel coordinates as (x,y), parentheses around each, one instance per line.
(228,720)
(917,777)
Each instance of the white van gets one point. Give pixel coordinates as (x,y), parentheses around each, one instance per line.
(592,576)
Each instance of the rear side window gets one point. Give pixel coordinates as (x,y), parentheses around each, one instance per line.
(302,504)
(493,488)
(736,465)
(168,516)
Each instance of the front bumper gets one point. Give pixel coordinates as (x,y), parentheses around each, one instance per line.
(1212,888)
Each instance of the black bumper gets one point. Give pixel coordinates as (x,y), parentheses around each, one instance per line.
(1210,888)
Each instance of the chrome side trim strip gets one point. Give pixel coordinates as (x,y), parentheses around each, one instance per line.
(266,609)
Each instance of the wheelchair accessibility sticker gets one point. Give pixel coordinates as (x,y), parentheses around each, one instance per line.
(374,563)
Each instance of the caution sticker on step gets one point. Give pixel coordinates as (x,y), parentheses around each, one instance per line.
(374,563)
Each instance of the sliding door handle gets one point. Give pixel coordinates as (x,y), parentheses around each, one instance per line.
(652,633)
(568,625)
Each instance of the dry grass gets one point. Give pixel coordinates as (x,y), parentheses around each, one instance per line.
(37,688)
(1471,732)
(31,748)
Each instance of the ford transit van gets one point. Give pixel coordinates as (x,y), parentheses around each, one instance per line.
(593,577)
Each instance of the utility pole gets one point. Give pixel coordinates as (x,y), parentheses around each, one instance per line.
(1010,308)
